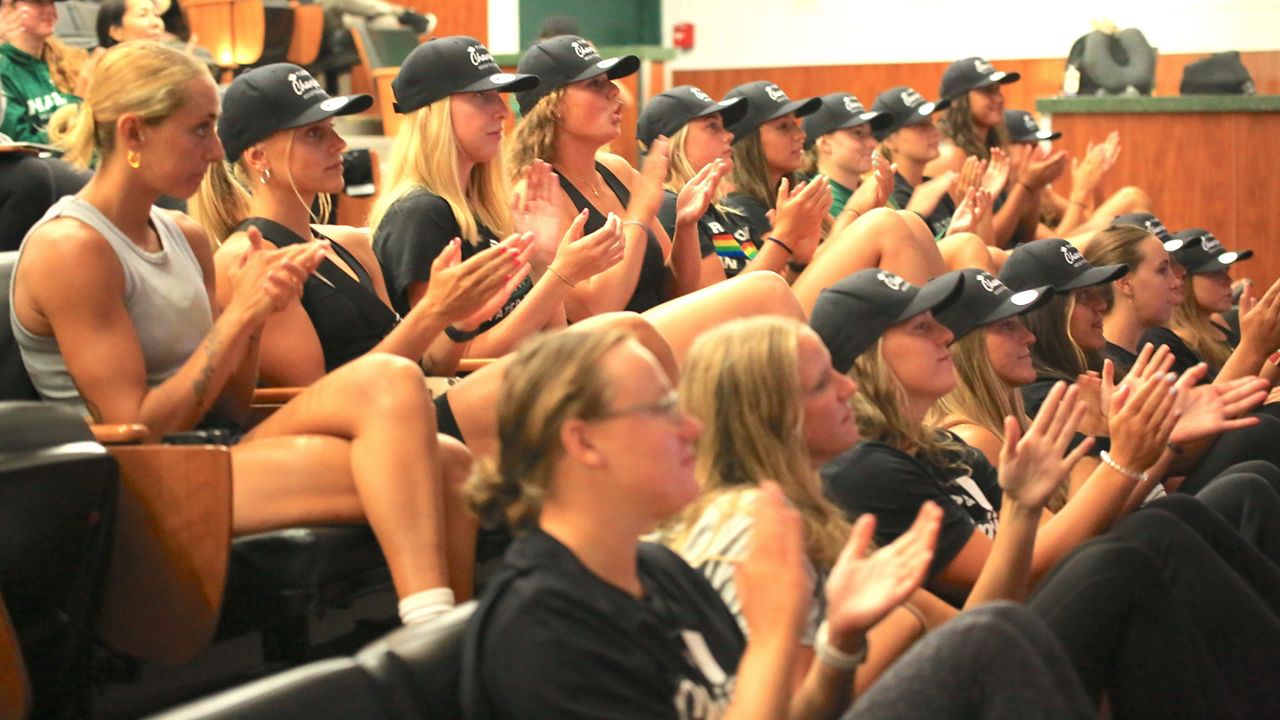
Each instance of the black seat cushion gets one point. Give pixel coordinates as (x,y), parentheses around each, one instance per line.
(419,667)
(14,382)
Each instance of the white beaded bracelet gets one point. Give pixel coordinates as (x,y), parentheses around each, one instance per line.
(836,658)
(1131,474)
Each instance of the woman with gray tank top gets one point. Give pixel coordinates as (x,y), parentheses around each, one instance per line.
(114,308)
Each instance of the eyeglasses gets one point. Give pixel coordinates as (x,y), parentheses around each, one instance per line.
(668,406)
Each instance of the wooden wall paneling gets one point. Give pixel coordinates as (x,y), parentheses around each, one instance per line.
(1256,178)
(456,17)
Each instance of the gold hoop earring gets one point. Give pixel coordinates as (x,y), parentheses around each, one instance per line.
(134,158)
(264,176)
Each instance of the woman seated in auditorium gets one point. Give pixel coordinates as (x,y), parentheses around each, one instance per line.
(124,20)
(840,146)
(723,385)
(586,621)
(993,360)
(567,119)
(40,73)
(448,182)
(115,310)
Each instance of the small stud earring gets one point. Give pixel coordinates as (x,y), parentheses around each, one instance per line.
(264,176)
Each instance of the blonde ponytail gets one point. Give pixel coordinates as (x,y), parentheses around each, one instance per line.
(222,202)
(73,129)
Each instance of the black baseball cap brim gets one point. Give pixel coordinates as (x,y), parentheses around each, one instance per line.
(502,82)
(731,110)
(961,319)
(614,67)
(934,295)
(1221,261)
(1095,276)
(998,77)
(1036,136)
(334,106)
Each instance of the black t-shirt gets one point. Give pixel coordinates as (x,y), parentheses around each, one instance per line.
(751,214)
(1121,358)
(551,639)
(939,220)
(415,230)
(882,480)
(1033,396)
(1184,358)
(719,233)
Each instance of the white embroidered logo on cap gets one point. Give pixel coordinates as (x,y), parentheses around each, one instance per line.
(1071,255)
(584,50)
(302,82)
(775,94)
(911,98)
(501,78)
(1209,243)
(989,283)
(893,282)
(696,92)
(480,55)
(851,105)
(333,104)
(983,66)
(1030,122)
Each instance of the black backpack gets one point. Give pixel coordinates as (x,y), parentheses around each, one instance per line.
(1219,74)
(1105,63)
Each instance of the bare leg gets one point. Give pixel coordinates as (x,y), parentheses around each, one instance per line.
(680,321)
(474,400)
(460,523)
(358,445)
(966,250)
(881,238)
(1128,199)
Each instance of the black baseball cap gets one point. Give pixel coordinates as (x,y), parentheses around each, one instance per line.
(972,73)
(837,112)
(446,66)
(666,113)
(567,59)
(277,97)
(852,314)
(1023,128)
(905,106)
(1056,263)
(1201,252)
(984,300)
(766,101)
(1151,224)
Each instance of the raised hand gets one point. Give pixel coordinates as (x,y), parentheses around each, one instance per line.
(772,582)
(468,292)
(873,192)
(1087,174)
(1208,410)
(579,258)
(266,279)
(862,588)
(12,18)
(970,176)
(1143,413)
(1033,465)
(997,174)
(533,211)
(696,195)
(1043,168)
(1260,320)
(972,210)
(799,213)
(646,191)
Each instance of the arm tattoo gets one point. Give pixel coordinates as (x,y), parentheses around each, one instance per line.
(212,349)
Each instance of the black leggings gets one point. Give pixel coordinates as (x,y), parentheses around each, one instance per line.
(1259,442)
(1153,615)
(1247,499)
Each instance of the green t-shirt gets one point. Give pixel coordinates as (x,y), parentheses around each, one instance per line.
(839,197)
(30,95)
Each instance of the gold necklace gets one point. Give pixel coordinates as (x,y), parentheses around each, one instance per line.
(589,185)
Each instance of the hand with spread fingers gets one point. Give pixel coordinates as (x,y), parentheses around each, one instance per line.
(1033,464)
(1142,417)
(970,177)
(648,188)
(998,172)
(533,211)
(469,292)
(267,279)
(697,194)
(971,213)
(799,213)
(1260,321)
(581,257)
(1211,409)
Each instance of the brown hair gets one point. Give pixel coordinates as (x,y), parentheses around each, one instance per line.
(956,123)
(535,136)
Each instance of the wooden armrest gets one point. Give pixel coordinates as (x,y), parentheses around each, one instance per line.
(119,433)
(470,365)
(15,690)
(169,558)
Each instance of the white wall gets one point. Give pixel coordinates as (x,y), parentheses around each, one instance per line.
(504,26)
(779,33)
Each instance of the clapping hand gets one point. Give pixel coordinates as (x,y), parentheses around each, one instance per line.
(533,211)
(468,292)
(579,258)
(696,195)
(1033,465)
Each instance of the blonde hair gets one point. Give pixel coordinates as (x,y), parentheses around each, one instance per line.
(141,78)
(222,202)
(1114,245)
(1194,328)
(535,136)
(750,174)
(552,379)
(425,156)
(980,396)
(880,405)
(679,170)
(742,380)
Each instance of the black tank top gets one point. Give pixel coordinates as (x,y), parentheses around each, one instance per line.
(651,286)
(349,317)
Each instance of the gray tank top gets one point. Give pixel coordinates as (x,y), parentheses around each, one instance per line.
(164,295)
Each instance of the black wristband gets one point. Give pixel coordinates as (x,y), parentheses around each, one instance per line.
(781,244)
(460,336)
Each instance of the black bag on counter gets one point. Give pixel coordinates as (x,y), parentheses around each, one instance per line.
(1111,63)
(1219,74)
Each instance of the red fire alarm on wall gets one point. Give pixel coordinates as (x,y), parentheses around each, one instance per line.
(682,36)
